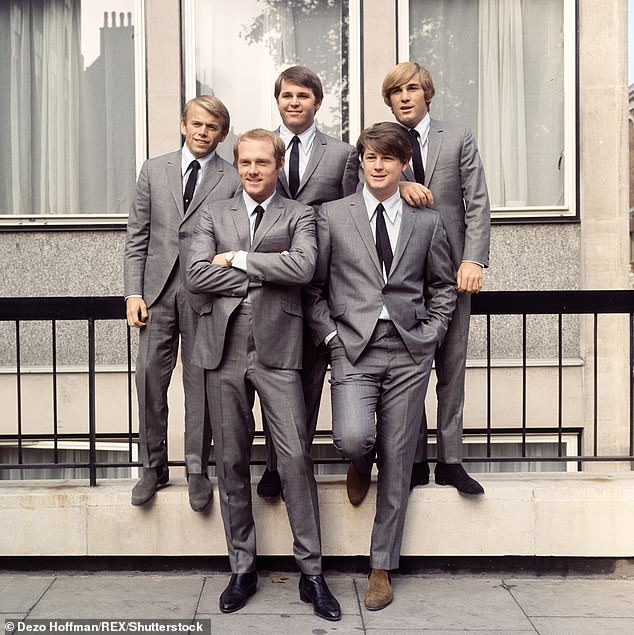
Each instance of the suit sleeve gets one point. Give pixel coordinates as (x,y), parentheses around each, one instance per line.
(315,294)
(203,277)
(476,199)
(440,281)
(296,265)
(350,179)
(137,236)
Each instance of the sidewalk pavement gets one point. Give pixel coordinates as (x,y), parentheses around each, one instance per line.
(439,604)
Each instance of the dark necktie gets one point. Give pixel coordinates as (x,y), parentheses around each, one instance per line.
(293,167)
(194,166)
(259,212)
(417,159)
(383,247)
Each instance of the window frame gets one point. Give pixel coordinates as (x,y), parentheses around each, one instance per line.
(80,222)
(354,61)
(569,212)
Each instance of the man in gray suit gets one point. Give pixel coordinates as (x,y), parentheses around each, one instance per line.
(318,168)
(381,299)
(446,174)
(170,190)
(250,256)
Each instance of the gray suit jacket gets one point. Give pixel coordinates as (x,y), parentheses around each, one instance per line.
(273,281)
(348,289)
(455,176)
(332,172)
(156,219)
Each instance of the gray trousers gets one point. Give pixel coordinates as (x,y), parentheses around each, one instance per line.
(451,361)
(377,404)
(231,394)
(313,373)
(170,318)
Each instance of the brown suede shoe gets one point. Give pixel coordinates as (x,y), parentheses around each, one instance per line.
(357,485)
(379,592)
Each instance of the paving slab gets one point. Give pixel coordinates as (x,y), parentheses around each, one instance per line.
(277,594)
(269,624)
(574,597)
(121,597)
(19,593)
(447,603)
(584,626)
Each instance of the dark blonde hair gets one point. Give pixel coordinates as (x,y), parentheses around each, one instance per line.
(279,149)
(387,138)
(403,73)
(213,106)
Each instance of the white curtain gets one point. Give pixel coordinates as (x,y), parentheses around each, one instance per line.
(41,64)
(501,107)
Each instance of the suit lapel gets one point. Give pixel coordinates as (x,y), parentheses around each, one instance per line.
(434,142)
(273,212)
(175,180)
(319,147)
(211,176)
(360,217)
(404,233)
(241,221)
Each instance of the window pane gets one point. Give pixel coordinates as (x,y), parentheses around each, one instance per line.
(241,47)
(68,107)
(498,68)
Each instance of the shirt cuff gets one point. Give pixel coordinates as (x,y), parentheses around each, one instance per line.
(475,262)
(240,261)
(133,295)
(329,337)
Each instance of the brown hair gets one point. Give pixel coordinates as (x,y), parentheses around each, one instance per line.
(403,73)
(302,76)
(387,138)
(279,149)
(213,106)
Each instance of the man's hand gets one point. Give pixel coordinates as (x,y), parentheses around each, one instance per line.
(415,194)
(136,311)
(470,277)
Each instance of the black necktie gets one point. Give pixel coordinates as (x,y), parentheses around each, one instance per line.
(417,159)
(383,247)
(293,167)
(259,212)
(194,166)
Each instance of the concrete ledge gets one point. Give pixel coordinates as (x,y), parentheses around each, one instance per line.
(579,514)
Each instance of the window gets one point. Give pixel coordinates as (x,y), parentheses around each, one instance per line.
(71,136)
(507,71)
(236,51)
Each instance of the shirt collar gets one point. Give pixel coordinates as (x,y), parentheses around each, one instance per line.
(251,204)
(391,205)
(423,128)
(306,138)
(187,157)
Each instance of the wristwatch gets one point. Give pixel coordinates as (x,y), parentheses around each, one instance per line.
(229,256)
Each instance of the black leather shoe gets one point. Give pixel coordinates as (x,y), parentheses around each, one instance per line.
(240,588)
(270,485)
(313,588)
(200,492)
(420,474)
(151,479)
(454,474)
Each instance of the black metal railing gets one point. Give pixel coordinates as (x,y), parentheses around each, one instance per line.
(522,305)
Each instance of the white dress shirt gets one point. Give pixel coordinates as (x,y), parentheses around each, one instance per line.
(306,140)
(187,157)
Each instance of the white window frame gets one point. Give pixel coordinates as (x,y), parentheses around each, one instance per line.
(354,61)
(80,221)
(570,209)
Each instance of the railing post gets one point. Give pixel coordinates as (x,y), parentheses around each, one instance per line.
(91,403)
